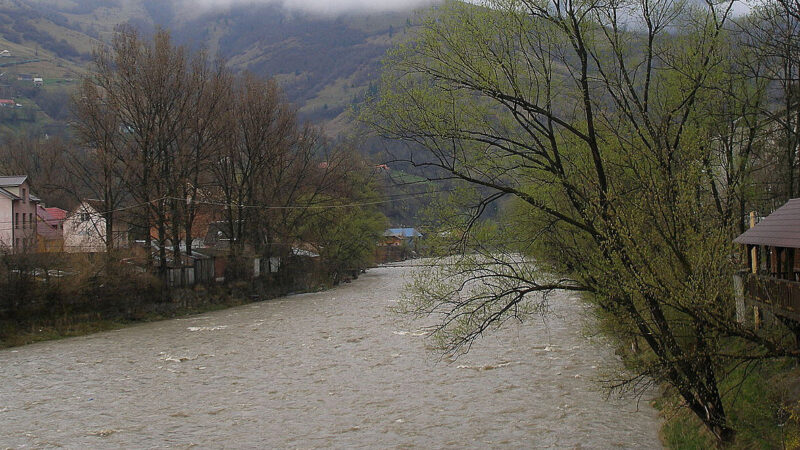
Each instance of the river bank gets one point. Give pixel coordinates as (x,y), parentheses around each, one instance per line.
(108,297)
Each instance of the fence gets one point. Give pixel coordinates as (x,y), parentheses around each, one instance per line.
(782,295)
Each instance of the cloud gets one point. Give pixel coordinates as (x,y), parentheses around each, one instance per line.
(326,6)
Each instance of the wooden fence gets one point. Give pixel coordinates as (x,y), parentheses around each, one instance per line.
(782,295)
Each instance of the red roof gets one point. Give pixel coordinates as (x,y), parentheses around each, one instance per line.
(56,213)
(7,102)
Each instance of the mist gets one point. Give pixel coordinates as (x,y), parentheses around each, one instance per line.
(323,6)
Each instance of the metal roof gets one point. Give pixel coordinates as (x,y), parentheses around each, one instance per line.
(779,229)
(402,232)
(12,180)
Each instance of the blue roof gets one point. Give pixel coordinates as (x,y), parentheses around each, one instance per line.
(403,232)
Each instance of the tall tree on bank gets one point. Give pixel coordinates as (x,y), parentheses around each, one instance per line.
(143,85)
(593,117)
(261,125)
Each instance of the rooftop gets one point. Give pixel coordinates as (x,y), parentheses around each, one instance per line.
(12,180)
(56,213)
(779,229)
(402,232)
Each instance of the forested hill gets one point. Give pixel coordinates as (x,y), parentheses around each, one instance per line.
(325,63)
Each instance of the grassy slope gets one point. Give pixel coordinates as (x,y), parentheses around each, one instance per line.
(324,63)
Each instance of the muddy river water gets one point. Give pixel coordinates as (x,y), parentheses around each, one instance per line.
(332,369)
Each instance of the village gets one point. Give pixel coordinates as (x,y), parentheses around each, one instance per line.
(30,227)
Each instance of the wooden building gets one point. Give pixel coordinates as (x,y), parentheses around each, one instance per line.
(771,282)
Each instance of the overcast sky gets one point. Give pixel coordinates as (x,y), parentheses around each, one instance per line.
(331,6)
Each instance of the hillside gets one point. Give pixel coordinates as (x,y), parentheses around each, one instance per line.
(325,63)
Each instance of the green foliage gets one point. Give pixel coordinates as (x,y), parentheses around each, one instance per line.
(628,166)
(762,402)
(347,229)
(347,239)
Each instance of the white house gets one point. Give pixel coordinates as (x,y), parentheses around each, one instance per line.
(85,229)
(18,221)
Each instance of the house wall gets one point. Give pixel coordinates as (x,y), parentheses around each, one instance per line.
(24,219)
(6,224)
(84,231)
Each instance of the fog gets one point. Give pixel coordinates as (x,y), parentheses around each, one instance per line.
(324,6)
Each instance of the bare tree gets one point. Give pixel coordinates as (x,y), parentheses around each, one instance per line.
(261,125)
(145,86)
(772,35)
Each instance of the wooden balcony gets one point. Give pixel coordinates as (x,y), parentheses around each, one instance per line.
(782,296)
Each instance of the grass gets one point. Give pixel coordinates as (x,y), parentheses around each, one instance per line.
(763,406)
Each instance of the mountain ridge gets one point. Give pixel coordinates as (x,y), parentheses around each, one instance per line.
(325,63)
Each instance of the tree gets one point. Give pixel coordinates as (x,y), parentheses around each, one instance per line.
(771,33)
(153,116)
(343,220)
(97,164)
(202,139)
(593,117)
(144,86)
(261,127)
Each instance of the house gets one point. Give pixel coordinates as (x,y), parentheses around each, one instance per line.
(7,103)
(771,282)
(17,214)
(401,236)
(50,229)
(37,81)
(398,244)
(85,229)
(5,54)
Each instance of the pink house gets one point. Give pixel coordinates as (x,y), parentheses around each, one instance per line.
(50,229)
(18,217)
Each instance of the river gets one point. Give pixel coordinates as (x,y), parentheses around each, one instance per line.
(329,369)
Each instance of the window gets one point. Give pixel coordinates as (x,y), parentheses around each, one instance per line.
(16,220)
(23,221)
(23,195)
(84,217)
(30,220)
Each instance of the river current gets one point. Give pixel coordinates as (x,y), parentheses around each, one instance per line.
(331,369)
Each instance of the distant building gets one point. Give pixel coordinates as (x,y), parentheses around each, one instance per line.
(85,229)
(397,244)
(402,236)
(7,103)
(5,54)
(18,221)
(38,81)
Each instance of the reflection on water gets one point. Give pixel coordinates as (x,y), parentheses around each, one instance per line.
(332,369)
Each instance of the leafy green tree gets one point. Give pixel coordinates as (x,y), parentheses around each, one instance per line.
(592,121)
(345,225)
(347,238)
